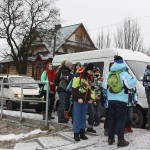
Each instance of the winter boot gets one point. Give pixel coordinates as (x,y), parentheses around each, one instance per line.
(122,143)
(129,129)
(50,115)
(111,141)
(44,116)
(96,124)
(148,126)
(106,132)
(76,137)
(82,134)
(125,130)
(91,130)
(66,115)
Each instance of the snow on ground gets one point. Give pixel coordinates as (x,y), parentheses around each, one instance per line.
(19,136)
(139,139)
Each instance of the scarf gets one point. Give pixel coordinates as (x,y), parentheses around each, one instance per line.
(51,75)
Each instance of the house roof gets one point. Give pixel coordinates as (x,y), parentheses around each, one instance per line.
(62,35)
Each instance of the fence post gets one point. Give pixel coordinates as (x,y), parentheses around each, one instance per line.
(47,103)
(21,102)
(2,96)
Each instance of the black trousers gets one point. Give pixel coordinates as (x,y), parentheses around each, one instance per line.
(51,102)
(117,119)
(106,118)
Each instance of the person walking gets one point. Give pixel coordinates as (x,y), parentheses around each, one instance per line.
(49,75)
(82,94)
(146,84)
(114,82)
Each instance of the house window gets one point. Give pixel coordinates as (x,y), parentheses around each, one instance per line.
(79,37)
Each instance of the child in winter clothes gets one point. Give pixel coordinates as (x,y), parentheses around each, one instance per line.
(98,91)
(94,108)
(82,94)
(104,101)
(133,100)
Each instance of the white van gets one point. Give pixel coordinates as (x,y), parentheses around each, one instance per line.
(12,93)
(136,62)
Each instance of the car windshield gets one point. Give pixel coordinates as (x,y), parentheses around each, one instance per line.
(23,80)
(138,68)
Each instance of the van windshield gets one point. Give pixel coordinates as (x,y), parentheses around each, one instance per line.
(23,80)
(138,68)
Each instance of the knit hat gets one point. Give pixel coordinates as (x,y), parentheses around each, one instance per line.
(118,59)
(68,64)
(96,69)
(89,66)
(148,66)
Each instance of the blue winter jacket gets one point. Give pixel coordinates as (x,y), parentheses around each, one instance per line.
(125,78)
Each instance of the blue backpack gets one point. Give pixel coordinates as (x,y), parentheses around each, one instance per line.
(68,89)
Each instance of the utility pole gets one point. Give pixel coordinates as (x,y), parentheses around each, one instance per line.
(57,27)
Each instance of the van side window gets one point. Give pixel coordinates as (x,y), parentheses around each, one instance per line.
(100,65)
(110,65)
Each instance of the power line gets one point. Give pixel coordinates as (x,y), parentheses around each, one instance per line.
(117,23)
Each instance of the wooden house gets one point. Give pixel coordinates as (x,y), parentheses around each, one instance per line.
(68,39)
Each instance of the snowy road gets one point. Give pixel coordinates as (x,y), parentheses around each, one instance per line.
(139,139)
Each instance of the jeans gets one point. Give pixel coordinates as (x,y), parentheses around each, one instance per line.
(117,118)
(64,104)
(79,116)
(148,113)
(129,116)
(97,116)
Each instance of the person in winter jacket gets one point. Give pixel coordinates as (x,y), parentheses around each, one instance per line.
(49,75)
(64,96)
(98,91)
(117,101)
(94,108)
(82,94)
(146,84)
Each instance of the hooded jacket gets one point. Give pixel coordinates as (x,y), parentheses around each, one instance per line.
(83,86)
(125,79)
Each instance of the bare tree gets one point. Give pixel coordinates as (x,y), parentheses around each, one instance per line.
(19,22)
(129,36)
(103,40)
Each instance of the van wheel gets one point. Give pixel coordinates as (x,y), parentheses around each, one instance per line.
(139,118)
(38,109)
(9,105)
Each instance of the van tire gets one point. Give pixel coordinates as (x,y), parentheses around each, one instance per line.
(9,105)
(139,117)
(38,109)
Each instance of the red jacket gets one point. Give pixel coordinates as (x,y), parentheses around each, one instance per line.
(51,76)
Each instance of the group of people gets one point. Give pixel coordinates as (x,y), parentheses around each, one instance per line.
(88,91)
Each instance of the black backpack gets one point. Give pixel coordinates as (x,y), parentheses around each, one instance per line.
(57,78)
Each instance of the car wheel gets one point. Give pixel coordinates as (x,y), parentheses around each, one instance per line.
(139,118)
(38,109)
(9,105)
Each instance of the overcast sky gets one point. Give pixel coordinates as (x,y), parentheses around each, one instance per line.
(95,14)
